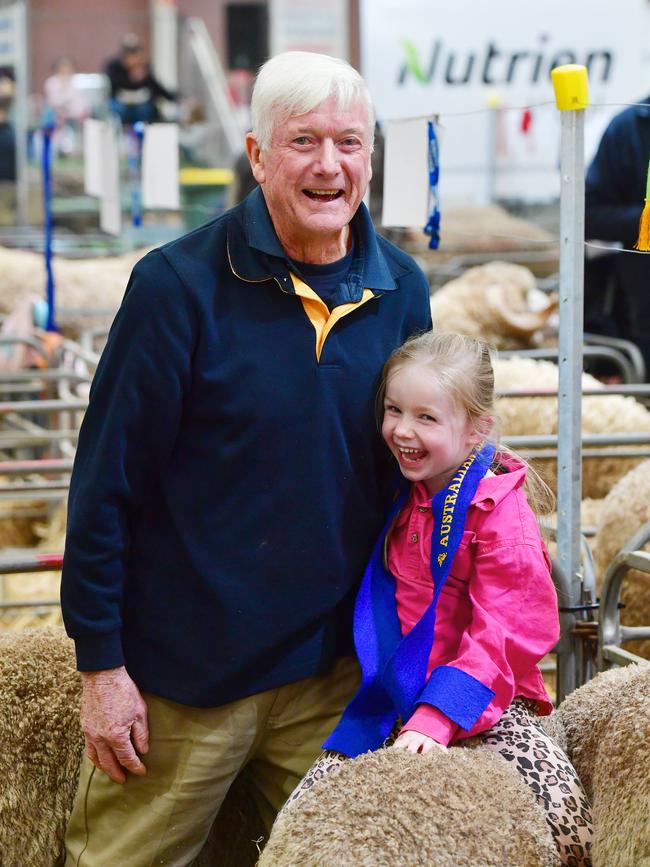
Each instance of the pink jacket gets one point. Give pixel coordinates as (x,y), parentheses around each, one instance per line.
(497,612)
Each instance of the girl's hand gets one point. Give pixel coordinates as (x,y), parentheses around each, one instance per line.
(415,742)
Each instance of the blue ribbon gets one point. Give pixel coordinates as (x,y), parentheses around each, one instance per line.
(393,667)
(46,165)
(135,138)
(432,227)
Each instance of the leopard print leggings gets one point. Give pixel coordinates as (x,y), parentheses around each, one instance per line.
(520,739)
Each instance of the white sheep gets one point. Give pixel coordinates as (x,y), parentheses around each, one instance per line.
(497,302)
(610,413)
(80,283)
(466,808)
(383,808)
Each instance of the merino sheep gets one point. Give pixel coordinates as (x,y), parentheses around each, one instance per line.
(625,509)
(41,744)
(80,283)
(37,585)
(493,301)
(393,808)
(462,808)
(607,729)
(41,749)
(610,413)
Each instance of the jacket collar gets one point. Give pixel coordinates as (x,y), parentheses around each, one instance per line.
(255,252)
(643,110)
(491,489)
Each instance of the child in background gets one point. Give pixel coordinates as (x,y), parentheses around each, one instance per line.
(457,605)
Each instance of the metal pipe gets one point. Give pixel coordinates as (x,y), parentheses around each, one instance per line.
(41,406)
(546,440)
(636,389)
(17,468)
(35,562)
(34,488)
(610,632)
(569,477)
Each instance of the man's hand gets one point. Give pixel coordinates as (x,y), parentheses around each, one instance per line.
(415,742)
(114,722)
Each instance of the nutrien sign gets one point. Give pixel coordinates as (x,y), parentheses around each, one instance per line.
(459,57)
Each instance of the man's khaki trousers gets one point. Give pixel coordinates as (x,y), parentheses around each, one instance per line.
(194,756)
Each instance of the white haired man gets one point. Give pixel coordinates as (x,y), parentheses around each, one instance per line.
(230,482)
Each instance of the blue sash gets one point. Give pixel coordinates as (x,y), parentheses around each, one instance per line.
(393,667)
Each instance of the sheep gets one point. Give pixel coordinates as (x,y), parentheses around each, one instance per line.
(606,725)
(466,804)
(41,744)
(455,809)
(395,808)
(610,413)
(625,509)
(80,283)
(41,750)
(37,585)
(494,302)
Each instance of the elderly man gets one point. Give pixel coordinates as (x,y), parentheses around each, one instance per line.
(230,482)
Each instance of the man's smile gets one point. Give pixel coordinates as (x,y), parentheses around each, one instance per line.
(323,195)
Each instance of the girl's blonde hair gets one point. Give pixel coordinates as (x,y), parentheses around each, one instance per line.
(462,367)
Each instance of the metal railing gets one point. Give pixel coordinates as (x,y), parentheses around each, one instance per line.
(611,634)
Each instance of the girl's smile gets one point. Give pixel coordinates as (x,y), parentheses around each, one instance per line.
(424,429)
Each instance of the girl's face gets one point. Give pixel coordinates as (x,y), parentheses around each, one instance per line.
(427,433)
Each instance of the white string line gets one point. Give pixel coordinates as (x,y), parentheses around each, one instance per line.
(437,115)
(615,249)
(542,242)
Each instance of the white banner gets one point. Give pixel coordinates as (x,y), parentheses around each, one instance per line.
(406,172)
(9,37)
(102,172)
(309,25)
(459,57)
(160,166)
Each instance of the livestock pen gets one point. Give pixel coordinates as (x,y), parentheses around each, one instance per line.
(39,424)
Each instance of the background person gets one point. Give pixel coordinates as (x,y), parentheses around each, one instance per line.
(67,104)
(133,87)
(617,285)
(229,483)
(7,134)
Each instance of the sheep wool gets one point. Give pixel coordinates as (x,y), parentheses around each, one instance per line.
(391,808)
(492,302)
(80,283)
(611,413)
(607,725)
(41,744)
(625,509)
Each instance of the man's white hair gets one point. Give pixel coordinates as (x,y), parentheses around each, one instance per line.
(295,82)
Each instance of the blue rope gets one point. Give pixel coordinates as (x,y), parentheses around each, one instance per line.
(432,227)
(46,164)
(136,135)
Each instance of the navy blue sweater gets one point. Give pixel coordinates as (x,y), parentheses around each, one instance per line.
(228,487)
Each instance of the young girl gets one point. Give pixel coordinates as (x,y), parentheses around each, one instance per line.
(457,605)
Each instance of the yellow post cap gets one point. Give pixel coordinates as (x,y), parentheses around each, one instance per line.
(571,86)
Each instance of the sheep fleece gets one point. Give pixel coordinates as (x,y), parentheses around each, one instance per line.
(607,726)
(392,808)
(41,744)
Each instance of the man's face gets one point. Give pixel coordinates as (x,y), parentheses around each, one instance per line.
(315,172)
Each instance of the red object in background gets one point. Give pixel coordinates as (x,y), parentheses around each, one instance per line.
(526,121)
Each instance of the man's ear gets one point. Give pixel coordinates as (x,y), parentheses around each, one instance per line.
(256,158)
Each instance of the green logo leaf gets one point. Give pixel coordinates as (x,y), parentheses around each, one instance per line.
(413,61)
